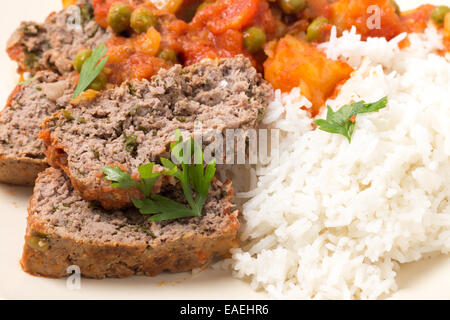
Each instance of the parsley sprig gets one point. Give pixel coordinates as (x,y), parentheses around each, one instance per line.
(91,69)
(343,120)
(195,181)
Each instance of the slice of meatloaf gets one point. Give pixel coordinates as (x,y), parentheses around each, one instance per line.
(64,230)
(133,124)
(21,151)
(52,45)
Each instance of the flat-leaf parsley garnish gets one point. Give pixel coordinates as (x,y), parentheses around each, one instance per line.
(91,69)
(343,120)
(195,181)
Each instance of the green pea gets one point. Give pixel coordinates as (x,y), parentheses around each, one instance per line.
(38,243)
(99,83)
(438,14)
(80,58)
(396,7)
(313,32)
(119,17)
(254,39)
(292,6)
(142,19)
(168,55)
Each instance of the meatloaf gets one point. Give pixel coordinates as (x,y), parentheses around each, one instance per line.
(134,124)
(52,45)
(64,230)
(21,152)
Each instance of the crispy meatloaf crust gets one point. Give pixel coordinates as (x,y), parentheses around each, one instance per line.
(52,45)
(64,230)
(21,152)
(222,94)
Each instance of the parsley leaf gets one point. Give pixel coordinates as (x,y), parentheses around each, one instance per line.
(343,120)
(148,178)
(170,209)
(120,178)
(195,181)
(193,177)
(91,69)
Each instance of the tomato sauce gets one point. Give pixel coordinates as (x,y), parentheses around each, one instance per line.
(216,31)
(318,8)
(125,61)
(416,20)
(101,8)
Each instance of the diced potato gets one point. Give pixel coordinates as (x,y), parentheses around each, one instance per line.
(149,42)
(447,25)
(173,5)
(364,15)
(84,97)
(119,53)
(295,63)
(68,3)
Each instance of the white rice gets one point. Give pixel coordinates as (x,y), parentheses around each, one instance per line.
(333,220)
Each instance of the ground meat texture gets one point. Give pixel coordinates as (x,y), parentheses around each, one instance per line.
(21,151)
(64,230)
(222,94)
(54,44)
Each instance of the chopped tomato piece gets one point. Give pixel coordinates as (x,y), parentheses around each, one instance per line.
(227,14)
(101,8)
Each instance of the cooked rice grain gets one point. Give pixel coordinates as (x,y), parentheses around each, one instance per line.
(334,220)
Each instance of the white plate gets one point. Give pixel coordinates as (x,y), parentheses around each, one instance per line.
(427,279)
